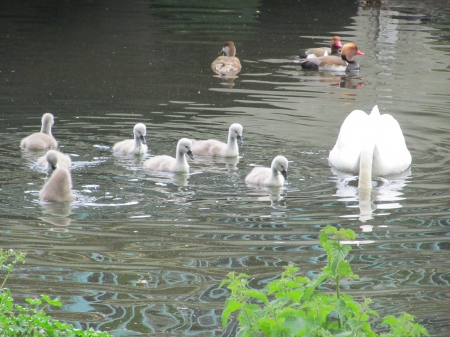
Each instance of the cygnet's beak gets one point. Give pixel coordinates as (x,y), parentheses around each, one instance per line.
(284,173)
(143,141)
(240,140)
(190,154)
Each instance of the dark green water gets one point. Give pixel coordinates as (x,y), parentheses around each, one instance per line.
(144,254)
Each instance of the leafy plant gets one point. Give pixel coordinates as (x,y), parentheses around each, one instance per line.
(31,320)
(293,306)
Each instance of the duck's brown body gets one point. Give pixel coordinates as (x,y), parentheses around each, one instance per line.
(229,63)
(333,50)
(334,63)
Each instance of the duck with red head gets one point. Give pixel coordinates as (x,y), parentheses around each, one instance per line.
(229,63)
(334,63)
(334,50)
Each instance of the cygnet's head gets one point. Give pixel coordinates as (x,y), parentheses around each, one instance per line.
(185,146)
(47,121)
(140,131)
(280,164)
(235,131)
(52,159)
(47,118)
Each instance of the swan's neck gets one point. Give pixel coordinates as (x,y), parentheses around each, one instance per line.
(275,176)
(232,144)
(365,204)
(137,142)
(365,164)
(46,128)
(180,160)
(368,149)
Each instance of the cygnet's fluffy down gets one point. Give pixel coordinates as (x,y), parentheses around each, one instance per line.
(178,164)
(54,159)
(41,140)
(58,187)
(215,148)
(270,177)
(138,145)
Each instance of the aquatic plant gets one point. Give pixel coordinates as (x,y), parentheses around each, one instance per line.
(292,305)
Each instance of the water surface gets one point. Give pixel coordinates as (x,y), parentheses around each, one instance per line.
(141,253)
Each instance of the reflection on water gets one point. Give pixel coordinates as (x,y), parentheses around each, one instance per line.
(144,253)
(57,214)
(228,79)
(383,196)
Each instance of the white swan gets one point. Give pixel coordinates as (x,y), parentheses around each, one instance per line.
(269,176)
(138,145)
(43,139)
(178,164)
(371,145)
(215,148)
(58,187)
(54,159)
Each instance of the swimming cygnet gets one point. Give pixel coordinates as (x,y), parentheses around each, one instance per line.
(215,148)
(54,159)
(58,187)
(138,145)
(178,164)
(270,177)
(43,139)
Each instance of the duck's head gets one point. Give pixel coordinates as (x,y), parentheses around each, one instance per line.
(228,49)
(350,50)
(335,42)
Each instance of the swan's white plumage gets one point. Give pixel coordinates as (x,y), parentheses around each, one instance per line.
(54,159)
(138,145)
(273,176)
(41,140)
(58,187)
(178,164)
(215,148)
(370,145)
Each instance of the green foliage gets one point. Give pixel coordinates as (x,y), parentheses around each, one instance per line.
(293,306)
(31,320)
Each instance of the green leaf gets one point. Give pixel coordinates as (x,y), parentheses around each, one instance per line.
(266,325)
(231,305)
(36,301)
(56,302)
(390,320)
(257,294)
(295,324)
(281,331)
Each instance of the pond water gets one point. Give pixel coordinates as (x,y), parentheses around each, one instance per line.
(144,254)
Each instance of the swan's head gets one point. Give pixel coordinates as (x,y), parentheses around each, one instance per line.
(235,131)
(280,164)
(47,119)
(140,131)
(52,159)
(229,49)
(185,146)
